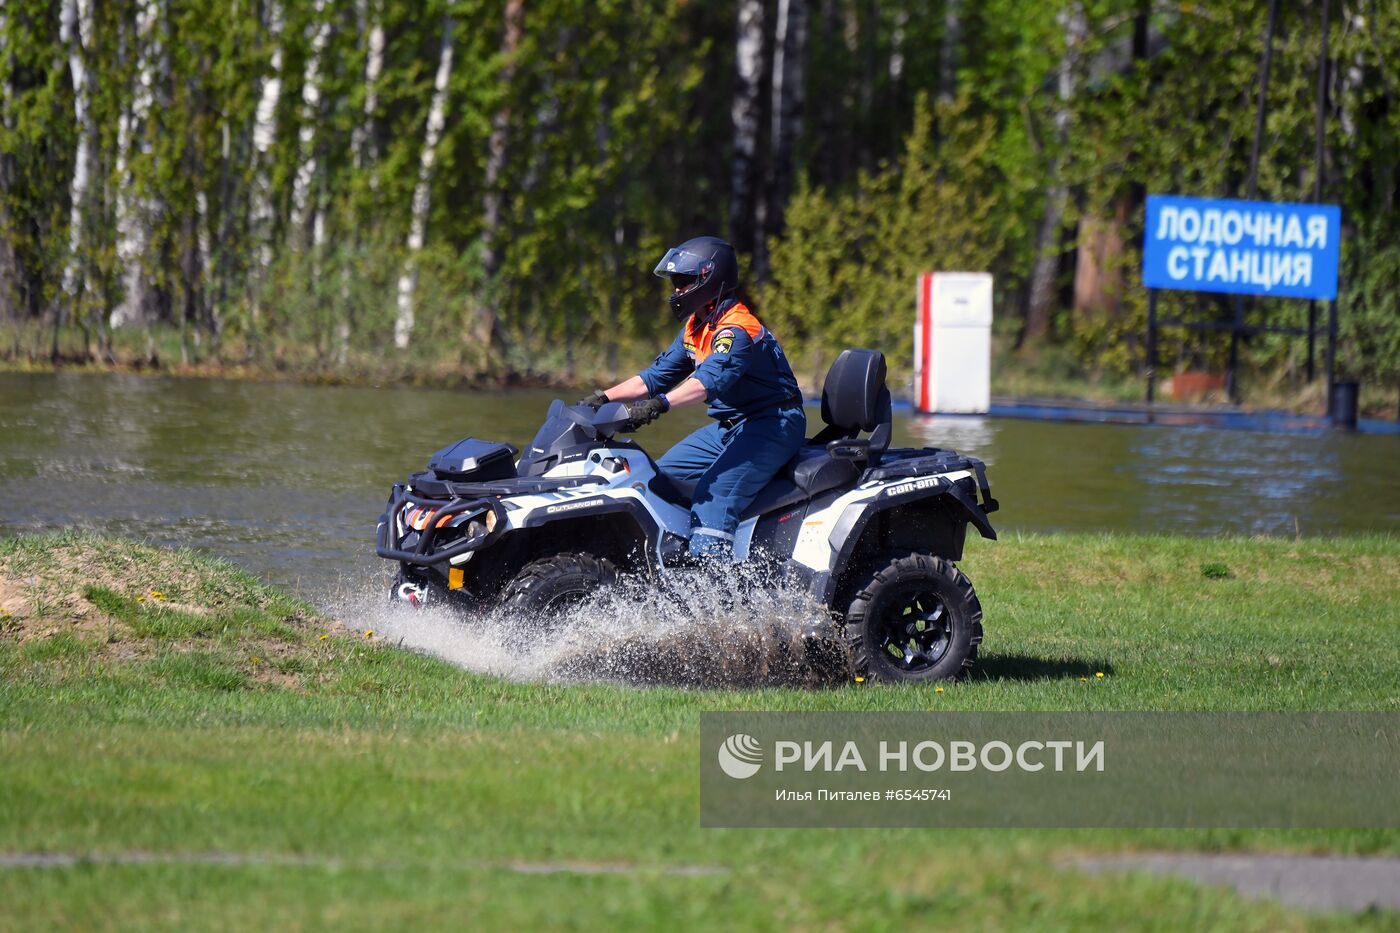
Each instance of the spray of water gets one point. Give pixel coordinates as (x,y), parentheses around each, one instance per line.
(695,628)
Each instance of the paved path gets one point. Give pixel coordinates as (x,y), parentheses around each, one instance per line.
(1317,882)
(70,859)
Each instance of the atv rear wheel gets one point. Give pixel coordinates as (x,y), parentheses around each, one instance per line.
(914,618)
(550,586)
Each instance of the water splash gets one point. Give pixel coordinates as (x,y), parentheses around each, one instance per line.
(694,628)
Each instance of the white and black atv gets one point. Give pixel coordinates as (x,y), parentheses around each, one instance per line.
(870,532)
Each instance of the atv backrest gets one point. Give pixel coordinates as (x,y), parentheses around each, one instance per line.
(855,399)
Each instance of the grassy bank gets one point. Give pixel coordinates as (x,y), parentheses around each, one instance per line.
(228,757)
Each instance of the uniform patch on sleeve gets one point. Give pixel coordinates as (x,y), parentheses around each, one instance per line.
(724,341)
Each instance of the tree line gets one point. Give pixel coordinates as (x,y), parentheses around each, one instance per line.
(490,181)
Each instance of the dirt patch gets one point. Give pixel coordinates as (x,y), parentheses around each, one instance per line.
(31,609)
(130,601)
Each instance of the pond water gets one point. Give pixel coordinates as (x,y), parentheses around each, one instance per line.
(288,479)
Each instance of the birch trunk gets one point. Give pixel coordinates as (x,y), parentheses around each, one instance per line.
(365,147)
(948,50)
(488,329)
(744,112)
(260,214)
(788,98)
(1041,296)
(75,32)
(899,24)
(437,115)
(133,220)
(305,178)
(9,258)
(364,154)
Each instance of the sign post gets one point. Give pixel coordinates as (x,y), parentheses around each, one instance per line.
(1240,248)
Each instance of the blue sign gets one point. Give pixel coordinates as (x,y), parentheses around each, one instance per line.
(1242,247)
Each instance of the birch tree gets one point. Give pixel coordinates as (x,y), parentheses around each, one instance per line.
(302,210)
(264,135)
(133,222)
(9,259)
(488,331)
(437,115)
(75,33)
(1041,295)
(364,154)
(364,146)
(744,113)
(789,67)
(948,51)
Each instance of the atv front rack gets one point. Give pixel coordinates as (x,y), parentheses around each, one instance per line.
(465,503)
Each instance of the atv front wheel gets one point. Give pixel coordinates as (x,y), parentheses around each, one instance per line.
(550,586)
(915,618)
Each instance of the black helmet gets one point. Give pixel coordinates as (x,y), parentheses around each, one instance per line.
(702,271)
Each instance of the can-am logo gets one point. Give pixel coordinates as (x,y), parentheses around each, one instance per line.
(740,756)
(902,488)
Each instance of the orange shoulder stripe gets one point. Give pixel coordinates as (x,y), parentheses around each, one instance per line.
(739,315)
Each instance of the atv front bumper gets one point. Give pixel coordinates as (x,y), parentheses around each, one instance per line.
(425,521)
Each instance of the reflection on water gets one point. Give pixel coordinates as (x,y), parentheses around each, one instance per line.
(969,434)
(288,480)
(1195,480)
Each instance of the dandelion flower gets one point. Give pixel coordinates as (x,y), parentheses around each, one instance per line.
(1098,673)
(369,633)
(937,689)
(859,679)
(324,637)
(1083,680)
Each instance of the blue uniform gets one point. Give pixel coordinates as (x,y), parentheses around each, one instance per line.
(756,401)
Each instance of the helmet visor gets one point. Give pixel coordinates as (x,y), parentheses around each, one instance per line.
(679,262)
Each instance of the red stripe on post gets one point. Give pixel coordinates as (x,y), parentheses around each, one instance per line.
(926,330)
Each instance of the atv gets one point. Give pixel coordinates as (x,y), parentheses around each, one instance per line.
(870,532)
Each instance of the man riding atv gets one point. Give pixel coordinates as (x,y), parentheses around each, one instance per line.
(870,532)
(723,355)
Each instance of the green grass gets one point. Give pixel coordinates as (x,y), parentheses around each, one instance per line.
(391,789)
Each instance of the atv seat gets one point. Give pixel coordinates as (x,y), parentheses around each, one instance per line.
(854,399)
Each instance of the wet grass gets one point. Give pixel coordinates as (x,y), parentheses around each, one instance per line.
(226,717)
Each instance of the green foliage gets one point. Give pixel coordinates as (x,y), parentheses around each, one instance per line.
(1369,306)
(845,271)
(610,130)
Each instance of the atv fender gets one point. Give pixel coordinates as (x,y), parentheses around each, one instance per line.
(972,510)
(850,527)
(582,509)
(852,521)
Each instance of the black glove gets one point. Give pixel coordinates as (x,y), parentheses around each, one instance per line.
(644,412)
(597,400)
